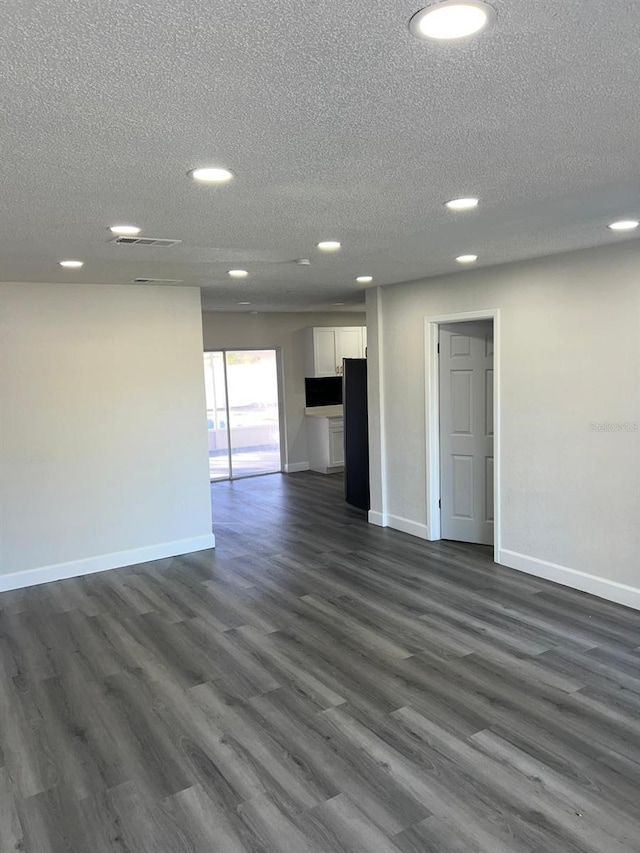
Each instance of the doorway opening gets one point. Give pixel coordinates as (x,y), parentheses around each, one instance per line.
(463,420)
(243,413)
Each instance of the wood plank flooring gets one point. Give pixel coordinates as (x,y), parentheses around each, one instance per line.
(317,684)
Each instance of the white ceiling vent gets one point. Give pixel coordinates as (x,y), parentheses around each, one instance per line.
(157,281)
(160,242)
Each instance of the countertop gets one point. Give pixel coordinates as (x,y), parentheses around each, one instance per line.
(324,411)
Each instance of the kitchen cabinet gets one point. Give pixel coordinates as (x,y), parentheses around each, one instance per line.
(326,346)
(336,443)
(326,444)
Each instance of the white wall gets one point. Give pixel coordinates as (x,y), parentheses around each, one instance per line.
(272,331)
(103,442)
(570,338)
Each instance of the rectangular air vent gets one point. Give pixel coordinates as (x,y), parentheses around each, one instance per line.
(157,281)
(160,242)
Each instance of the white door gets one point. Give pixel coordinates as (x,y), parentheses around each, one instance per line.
(466,431)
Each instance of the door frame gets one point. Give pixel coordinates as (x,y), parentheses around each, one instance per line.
(432,417)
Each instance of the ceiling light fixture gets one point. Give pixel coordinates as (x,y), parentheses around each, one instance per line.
(337,303)
(466,259)
(244,303)
(364,279)
(624,225)
(328,245)
(462,203)
(238,273)
(125,230)
(452,20)
(211,175)
(72,265)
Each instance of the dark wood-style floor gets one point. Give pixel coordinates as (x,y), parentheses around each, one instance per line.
(317,684)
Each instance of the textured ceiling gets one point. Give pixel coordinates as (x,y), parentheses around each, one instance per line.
(338,123)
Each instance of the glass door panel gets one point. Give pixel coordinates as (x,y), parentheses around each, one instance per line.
(217,418)
(243,422)
(252,387)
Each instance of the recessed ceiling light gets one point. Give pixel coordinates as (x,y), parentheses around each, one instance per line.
(125,230)
(73,265)
(328,246)
(238,273)
(462,203)
(451,20)
(337,303)
(624,225)
(244,303)
(211,175)
(364,279)
(466,259)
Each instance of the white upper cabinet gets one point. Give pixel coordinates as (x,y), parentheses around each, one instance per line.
(349,344)
(322,351)
(325,347)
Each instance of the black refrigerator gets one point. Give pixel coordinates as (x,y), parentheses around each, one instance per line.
(356,432)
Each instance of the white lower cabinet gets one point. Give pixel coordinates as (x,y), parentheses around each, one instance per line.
(326,444)
(336,442)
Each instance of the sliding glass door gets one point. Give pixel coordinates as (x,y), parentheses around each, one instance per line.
(242,413)
(215,384)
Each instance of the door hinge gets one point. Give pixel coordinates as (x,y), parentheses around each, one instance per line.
(438,349)
(439,503)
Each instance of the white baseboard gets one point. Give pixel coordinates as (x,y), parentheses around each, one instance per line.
(413,528)
(104,562)
(603,588)
(294,467)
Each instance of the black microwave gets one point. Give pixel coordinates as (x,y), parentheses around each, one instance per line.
(326,391)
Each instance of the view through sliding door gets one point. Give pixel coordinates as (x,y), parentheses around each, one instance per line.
(242,413)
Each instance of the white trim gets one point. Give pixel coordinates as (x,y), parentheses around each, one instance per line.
(282,407)
(432,421)
(404,525)
(293,467)
(377,444)
(603,588)
(377,518)
(104,562)
(432,417)
(381,403)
